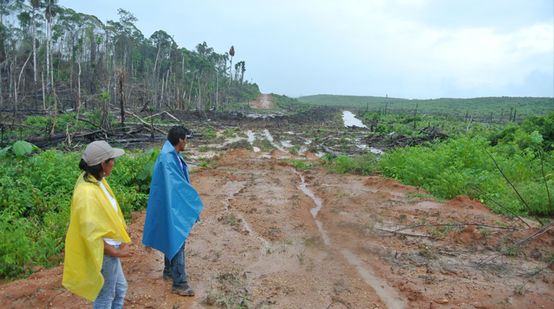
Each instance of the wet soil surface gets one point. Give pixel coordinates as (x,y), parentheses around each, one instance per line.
(272,236)
(319,130)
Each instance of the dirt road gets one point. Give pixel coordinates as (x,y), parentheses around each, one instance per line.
(272,236)
(262,102)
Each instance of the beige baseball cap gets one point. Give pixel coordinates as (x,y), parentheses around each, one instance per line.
(100,151)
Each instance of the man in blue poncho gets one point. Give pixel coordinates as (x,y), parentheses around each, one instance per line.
(173,208)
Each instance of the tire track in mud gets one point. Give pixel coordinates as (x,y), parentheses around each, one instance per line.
(233,189)
(387,294)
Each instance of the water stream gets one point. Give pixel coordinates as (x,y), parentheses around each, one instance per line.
(387,294)
(315,210)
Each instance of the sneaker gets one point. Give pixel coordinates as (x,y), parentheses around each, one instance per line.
(186,291)
(167,277)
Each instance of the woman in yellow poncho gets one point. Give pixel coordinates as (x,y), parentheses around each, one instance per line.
(97,235)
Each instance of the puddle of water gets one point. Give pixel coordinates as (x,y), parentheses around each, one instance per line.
(376,151)
(371,149)
(251,139)
(270,139)
(268,136)
(387,294)
(350,120)
(251,136)
(286,144)
(264,116)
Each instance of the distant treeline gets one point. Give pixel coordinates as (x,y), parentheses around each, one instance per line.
(52,57)
(493,109)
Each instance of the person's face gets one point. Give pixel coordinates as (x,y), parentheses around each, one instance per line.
(181,145)
(107,167)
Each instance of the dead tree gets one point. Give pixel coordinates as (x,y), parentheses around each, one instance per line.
(122,78)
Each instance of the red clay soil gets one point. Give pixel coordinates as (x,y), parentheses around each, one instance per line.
(271,236)
(262,102)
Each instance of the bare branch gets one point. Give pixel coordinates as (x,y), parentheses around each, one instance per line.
(405,234)
(518,244)
(513,187)
(499,205)
(544,178)
(457,225)
(538,271)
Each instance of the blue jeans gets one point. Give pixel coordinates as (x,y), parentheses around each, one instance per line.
(176,268)
(112,294)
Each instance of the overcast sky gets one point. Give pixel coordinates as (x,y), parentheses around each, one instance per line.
(400,48)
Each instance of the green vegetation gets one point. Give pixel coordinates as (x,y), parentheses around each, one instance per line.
(489,109)
(408,124)
(299,164)
(35,191)
(289,104)
(361,165)
(264,145)
(464,164)
(36,186)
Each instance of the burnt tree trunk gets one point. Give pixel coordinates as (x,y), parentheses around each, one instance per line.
(122,97)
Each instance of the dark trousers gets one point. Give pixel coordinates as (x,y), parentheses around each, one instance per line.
(176,268)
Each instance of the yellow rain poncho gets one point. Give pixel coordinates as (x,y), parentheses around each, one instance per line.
(92,218)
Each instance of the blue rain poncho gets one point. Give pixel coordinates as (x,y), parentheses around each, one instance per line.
(173,206)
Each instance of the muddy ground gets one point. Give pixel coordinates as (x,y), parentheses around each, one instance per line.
(272,236)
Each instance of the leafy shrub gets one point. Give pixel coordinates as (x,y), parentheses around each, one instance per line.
(527,135)
(462,165)
(298,164)
(35,202)
(362,165)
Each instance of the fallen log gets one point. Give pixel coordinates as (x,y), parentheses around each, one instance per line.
(152,128)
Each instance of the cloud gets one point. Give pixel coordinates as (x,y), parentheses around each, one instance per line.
(407,48)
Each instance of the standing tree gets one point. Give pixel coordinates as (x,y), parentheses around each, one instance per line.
(75,54)
(50,11)
(35,4)
(122,78)
(232,54)
(240,67)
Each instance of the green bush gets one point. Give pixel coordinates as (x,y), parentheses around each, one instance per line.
(35,202)
(462,165)
(361,165)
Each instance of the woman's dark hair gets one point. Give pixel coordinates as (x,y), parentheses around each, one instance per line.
(94,170)
(176,133)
